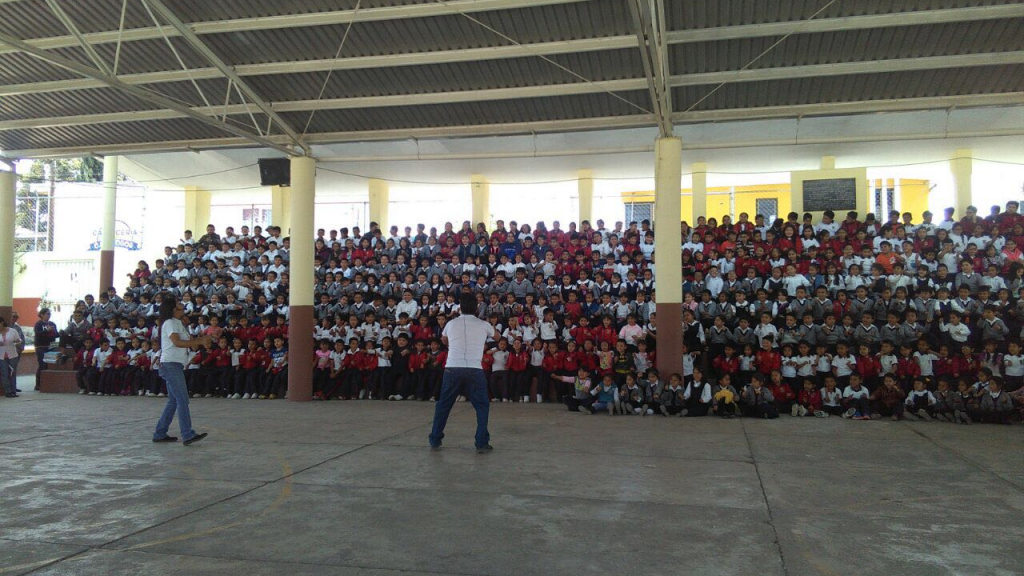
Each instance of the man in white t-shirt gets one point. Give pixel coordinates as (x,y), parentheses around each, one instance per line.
(465,338)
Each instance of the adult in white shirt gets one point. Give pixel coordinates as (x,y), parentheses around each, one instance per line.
(465,337)
(9,341)
(175,343)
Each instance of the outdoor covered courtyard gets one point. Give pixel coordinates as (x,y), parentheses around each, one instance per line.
(351,489)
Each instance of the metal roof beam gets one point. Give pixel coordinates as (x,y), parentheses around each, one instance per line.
(82,42)
(199,46)
(640,11)
(847,68)
(847,108)
(353,63)
(603,123)
(543,91)
(137,91)
(300,20)
(917,18)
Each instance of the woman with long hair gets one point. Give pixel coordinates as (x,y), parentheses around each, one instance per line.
(174,345)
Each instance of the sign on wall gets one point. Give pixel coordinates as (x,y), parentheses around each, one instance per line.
(124,237)
(830,194)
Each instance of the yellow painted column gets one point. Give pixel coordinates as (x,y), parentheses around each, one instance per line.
(379,193)
(962,166)
(585,188)
(828,162)
(197,210)
(281,208)
(109,222)
(7,206)
(481,197)
(668,174)
(700,191)
(301,202)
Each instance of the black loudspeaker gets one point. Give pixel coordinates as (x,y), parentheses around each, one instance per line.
(275,172)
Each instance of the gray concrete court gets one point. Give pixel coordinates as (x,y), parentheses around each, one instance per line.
(351,489)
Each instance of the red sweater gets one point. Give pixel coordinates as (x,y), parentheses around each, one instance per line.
(768,360)
(782,392)
(727,365)
(810,400)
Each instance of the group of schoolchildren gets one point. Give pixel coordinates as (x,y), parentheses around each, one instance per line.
(860,319)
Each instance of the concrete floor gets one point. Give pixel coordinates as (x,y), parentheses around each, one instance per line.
(350,489)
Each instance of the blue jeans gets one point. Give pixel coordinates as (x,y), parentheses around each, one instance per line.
(177,400)
(8,376)
(455,379)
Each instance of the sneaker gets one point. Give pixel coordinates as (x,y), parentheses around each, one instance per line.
(246,396)
(525,399)
(460,399)
(272,397)
(611,409)
(236,396)
(82,392)
(433,399)
(142,392)
(161,395)
(391,398)
(923,415)
(802,411)
(540,398)
(664,410)
(194,439)
(399,397)
(92,393)
(648,412)
(208,396)
(876,416)
(911,416)
(584,410)
(638,410)
(795,411)
(362,394)
(683,413)
(821,414)
(850,413)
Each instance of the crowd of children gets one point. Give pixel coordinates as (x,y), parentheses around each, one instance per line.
(861,319)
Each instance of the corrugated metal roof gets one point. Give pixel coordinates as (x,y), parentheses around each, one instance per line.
(879,86)
(504,111)
(536,24)
(850,46)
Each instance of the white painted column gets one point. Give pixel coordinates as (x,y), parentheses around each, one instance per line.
(668,169)
(8,182)
(700,191)
(481,197)
(379,196)
(962,167)
(302,199)
(109,222)
(585,188)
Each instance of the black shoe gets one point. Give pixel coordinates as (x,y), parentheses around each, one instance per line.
(435,447)
(484,449)
(194,439)
(11,395)
(18,390)
(166,439)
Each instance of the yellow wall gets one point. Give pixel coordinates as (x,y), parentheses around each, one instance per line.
(913,199)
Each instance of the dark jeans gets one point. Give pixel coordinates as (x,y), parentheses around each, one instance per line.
(454,380)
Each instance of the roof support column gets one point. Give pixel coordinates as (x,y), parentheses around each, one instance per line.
(585,187)
(281,208)
(668,174)
(302,197)
(109,222)
(7,205)
(962,167)
(699,175)
(379,194)
(481,196)
(197,210)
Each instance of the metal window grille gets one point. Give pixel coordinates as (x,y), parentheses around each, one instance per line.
(639,211)
(768,207)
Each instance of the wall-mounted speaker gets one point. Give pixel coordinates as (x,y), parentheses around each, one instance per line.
(275,172)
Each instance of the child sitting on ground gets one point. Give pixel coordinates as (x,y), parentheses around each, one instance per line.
(725,398)
(756,401)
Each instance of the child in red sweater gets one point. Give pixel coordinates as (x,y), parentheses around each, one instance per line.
(785,399)
(767,358)
(808,402)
